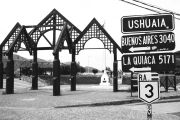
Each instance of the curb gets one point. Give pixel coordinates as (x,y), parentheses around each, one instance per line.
(128,101)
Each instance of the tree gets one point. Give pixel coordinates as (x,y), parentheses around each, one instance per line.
(108,68)
(82,69)
(94,71)
(65,69)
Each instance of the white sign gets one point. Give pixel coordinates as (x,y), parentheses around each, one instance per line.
(148,91)
(144,76)
(148,76)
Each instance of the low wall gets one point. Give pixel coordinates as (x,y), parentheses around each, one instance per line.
(80,79)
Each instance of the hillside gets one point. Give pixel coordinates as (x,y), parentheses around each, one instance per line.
(24,62)
(16,57)
(20,61)
(89,69)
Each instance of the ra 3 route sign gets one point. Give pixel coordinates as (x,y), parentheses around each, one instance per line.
(158,22)
(148,42)
(155,62)
(148,89)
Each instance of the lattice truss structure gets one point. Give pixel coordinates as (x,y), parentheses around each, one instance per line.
(17,35)
(64,36)
(10,37)
(22,37)
(94,30)
(54,20)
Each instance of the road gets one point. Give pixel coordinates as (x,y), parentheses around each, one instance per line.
(79,105)
(172,107)
(112,112)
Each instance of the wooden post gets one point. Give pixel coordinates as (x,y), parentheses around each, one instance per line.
(167,82)
(73,76)
(35,71)
(1,70)
(54,30)
(174,82)
(56,75)
(73,70)
(10,74)
(131,83)
(115,69)
(149,112)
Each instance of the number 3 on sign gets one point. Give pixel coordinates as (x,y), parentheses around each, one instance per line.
(148,91)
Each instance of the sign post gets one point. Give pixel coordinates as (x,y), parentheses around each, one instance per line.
(149,91)
(149,112)
(144,64)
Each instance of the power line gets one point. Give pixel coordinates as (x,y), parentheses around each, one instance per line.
(148,8)
(150,5)
(140,6)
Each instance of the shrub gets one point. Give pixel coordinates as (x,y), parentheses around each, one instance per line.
(95,71)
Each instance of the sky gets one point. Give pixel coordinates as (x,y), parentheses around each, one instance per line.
(80,13)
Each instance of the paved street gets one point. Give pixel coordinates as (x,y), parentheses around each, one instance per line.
(172,107)
(80,113)
(89,102)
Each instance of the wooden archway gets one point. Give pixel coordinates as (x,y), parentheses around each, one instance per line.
(18,35)
(71,34)
(95,30)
